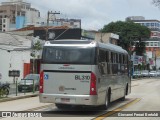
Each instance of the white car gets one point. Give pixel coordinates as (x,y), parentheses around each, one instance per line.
(145,73)
(152,73)
(158,73)
(137,74)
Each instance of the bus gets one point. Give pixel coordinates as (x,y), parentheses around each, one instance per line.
(83,73)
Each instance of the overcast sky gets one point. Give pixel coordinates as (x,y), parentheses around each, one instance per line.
(97,13)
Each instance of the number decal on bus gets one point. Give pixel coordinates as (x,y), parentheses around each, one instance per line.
(83,77)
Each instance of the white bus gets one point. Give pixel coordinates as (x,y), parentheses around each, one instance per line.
(83,72)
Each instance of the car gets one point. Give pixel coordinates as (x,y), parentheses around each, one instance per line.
(27,83)
(158,73)
(137,74)
(153,74)
(145,73)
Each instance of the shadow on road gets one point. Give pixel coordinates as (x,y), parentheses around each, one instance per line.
(81,111)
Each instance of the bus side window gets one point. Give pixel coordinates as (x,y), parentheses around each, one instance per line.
(102,56)
(108,60)
(120,58)
(107,56)
(101,61)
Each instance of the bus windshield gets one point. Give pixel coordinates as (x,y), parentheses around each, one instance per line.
(67,55)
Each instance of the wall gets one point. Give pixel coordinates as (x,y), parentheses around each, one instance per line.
(31,17)
(5,24)
(107,38)
(20,22)
(13,60)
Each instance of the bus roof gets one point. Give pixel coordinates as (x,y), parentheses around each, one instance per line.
(87,43)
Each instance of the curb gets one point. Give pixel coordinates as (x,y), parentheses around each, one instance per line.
(18,97)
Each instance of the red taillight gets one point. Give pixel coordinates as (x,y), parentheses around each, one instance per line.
(93,90)
(41,82)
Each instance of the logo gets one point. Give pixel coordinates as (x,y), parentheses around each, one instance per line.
(46,76)
(61,88)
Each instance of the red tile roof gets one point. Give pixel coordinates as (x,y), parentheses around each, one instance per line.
(42,28)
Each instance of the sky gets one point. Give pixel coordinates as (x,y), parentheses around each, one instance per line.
(97,13)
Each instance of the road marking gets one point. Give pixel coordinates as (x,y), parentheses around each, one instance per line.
(103,116)
(38,108)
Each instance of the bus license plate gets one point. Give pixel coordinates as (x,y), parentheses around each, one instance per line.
(65,99)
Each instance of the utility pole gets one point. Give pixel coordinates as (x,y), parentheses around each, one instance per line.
(48,19)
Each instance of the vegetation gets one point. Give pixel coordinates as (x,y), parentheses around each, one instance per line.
(130,34)
(156,3)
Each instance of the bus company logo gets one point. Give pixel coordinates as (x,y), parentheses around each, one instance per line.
(61,88)
(66,67)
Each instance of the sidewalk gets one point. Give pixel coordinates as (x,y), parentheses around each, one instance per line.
(12,95)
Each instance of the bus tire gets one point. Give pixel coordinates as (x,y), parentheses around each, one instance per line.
(107,100)
(125,93)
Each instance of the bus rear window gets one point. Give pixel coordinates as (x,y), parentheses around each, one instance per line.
(67,55)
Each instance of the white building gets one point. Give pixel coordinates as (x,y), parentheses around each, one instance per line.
(14,54)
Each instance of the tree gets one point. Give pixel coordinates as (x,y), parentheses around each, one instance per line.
(156,2)
(130,34)
(36,47)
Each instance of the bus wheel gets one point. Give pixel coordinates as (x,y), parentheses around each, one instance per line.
(125,93)
(107,101)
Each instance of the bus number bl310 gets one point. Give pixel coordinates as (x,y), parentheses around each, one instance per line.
(82,77)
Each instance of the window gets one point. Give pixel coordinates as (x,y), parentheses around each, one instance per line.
(117,59)
(112,57)
(155,44)
(120,58)
(123,59)
(147,43)
(102,56)
(148,24)
(152,24)
(107,56)
(68,55)
(4,20)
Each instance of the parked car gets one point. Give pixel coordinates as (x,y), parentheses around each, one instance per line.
(158,73)
(145,73)
(137,74)
(152,73)
(27,83)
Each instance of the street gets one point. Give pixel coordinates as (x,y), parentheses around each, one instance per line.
(144,96)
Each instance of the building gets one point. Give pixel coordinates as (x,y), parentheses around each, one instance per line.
(153,43)
(15,55)
(107,38)
(100,37)
(71,23)
(16,14)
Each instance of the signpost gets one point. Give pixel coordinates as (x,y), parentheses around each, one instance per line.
(14,74)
